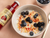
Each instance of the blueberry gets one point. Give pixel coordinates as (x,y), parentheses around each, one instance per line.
(23,24)
(39,24)
(24,16)
(31,33)
(30,21)
(23,21)
(47,1)
(40,29)
(35,24)
(41,1)
(22,13)
(42,23)
(44,0)
(27,12)
(34,16)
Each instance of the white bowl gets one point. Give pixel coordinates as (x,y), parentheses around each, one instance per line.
(28,7)
(41,4)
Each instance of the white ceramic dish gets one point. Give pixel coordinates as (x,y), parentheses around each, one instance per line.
(28,7)
(41,4)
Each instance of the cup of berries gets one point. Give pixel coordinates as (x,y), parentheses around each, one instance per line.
(43,2)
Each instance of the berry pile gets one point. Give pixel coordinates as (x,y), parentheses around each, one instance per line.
(35,15)
(43,1)
(39,24)
(24,13)
(23,24)
(30,22)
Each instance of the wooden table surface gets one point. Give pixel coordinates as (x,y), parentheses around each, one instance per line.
(7,31)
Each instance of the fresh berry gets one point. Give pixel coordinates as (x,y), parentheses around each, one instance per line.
(24,16)
(23,21)
(34,16)
(22,13)
(42,23)
(31,33)
(40,29)
(23,24)
(27,12)
(44,0)
(41,1)
(47,1)
(30,21)
(39,24)
(35,24)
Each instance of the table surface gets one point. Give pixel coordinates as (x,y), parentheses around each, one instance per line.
(7,31)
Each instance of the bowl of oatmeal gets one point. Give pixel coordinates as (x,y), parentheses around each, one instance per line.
(29,21)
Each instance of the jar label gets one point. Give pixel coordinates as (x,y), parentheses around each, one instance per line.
(5,15)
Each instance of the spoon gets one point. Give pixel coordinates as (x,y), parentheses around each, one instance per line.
(47,26)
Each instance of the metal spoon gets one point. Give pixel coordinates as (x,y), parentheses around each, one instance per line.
(47,26)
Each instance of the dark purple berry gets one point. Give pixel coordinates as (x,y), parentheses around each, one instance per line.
(31,33)
(30,21)
(35,24)
(23,24)
(42,23)
(22,13)
(40,29)
(41,1)
(27,12)
(23,21)
(34,16)
(39,24)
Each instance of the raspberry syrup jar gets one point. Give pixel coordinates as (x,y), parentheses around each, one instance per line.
(6,14)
